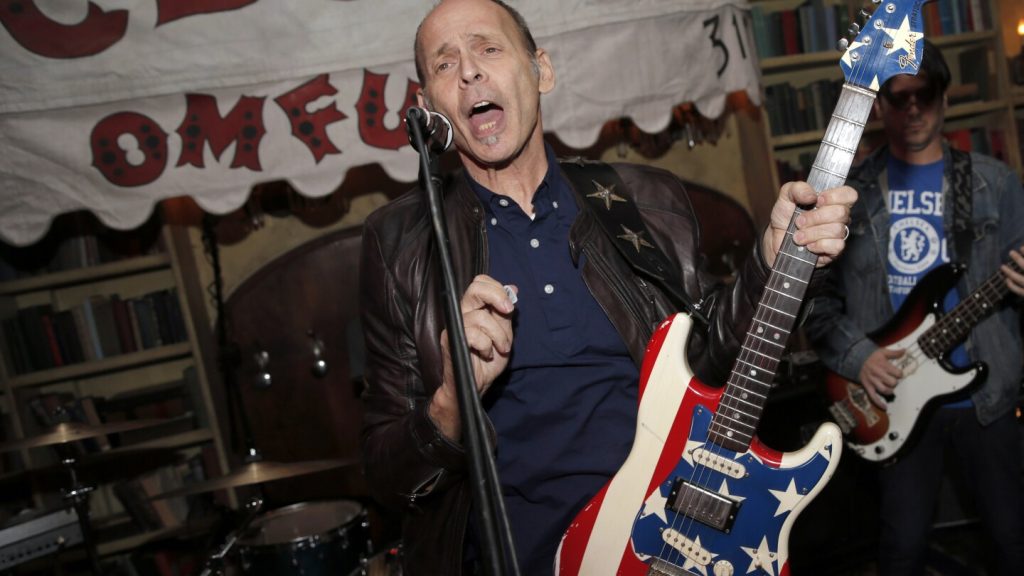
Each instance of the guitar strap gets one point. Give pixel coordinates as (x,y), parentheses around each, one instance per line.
(618,216)
(960,185)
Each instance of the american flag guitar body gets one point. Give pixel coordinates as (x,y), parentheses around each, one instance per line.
(699,493)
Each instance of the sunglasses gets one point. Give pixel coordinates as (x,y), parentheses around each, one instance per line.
(923,97)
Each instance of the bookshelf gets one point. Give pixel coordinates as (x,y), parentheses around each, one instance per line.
(141,371)
(986,110)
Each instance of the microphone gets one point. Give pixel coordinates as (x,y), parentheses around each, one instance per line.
(435,127)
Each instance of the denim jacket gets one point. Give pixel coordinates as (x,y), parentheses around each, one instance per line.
(856,300)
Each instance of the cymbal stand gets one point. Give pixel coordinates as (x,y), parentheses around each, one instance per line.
(215,563)
(78,495)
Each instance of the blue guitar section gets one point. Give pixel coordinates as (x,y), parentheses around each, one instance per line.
(766,497)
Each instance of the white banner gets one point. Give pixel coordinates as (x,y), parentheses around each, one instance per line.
(111,106)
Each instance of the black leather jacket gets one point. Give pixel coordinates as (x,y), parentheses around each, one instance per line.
(409,465)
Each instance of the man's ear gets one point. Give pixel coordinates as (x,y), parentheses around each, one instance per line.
(421,100)
(545,71)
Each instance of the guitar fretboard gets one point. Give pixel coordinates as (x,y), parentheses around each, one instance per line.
(952,328)
(753,374)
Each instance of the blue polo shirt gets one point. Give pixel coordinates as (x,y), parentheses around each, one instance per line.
(565,409)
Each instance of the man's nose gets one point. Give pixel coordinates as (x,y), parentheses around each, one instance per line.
(471,73)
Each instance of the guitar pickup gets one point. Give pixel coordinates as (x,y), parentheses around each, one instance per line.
(703,505)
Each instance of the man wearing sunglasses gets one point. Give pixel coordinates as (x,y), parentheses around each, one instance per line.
(905,223)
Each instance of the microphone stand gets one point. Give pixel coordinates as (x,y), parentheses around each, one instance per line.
(490,506)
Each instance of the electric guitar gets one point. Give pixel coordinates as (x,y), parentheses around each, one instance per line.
(699,493)
(928,336)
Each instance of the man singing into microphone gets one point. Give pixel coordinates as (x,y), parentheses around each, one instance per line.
(558,370)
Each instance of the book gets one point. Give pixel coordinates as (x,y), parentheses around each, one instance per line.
(123,324)
(89,317)
(106,329)
(38,343)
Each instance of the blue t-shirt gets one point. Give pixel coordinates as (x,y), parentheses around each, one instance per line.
(565,409)
(917,233)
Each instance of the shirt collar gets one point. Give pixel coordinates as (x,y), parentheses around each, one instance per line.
(489,198)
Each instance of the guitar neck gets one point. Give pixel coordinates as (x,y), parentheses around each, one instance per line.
(753,374)
(953,327)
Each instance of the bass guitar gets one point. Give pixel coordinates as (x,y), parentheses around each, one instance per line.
(698,492)
(929,378)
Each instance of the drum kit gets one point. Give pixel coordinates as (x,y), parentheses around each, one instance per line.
(310,538)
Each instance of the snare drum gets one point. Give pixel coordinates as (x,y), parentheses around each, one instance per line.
(309,538)
(385,563)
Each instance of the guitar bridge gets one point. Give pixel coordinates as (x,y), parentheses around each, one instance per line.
(703,505)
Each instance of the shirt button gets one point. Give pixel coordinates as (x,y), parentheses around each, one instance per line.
(549,289)
(494,221)
(534,242)
(503,202)
(555,205)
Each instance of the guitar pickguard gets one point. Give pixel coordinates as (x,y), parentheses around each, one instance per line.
(763,500)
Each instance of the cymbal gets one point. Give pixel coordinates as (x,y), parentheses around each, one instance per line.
(74,431)
(258,473)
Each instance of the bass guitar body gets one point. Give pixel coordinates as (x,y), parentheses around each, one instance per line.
(882,435)
(681,504)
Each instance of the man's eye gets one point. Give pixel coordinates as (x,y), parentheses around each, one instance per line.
(442,67)
(490,50)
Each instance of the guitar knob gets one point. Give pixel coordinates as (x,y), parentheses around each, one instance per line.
(879,449)
(894,435)
(723,568)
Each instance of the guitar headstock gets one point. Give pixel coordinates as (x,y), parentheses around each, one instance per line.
(889,44)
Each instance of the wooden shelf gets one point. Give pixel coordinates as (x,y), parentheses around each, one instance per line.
(174,441)
(1018,95)
(86,275)
(114,363)
(814,137)
(776,64)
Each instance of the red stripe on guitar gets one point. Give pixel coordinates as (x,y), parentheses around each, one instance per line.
(577,536)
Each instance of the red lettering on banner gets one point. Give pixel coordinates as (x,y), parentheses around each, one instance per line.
(171,10)
(203,123)
(311,127)
(371,111)
(35,32)
(139,165)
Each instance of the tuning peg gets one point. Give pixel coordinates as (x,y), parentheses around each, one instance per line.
(854,29)
(843,44)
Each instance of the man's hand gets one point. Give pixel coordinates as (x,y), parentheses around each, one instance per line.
(822,230)
(1014,279)
(879,375)
(487,318)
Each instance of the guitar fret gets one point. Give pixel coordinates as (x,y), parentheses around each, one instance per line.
(750,378)
(829,172)
(739,421)
(762,339)
(795,278)
(763,355)
(746,391)
(770,325)
(783,293)
(795,257)
(783,312)
(725,397)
